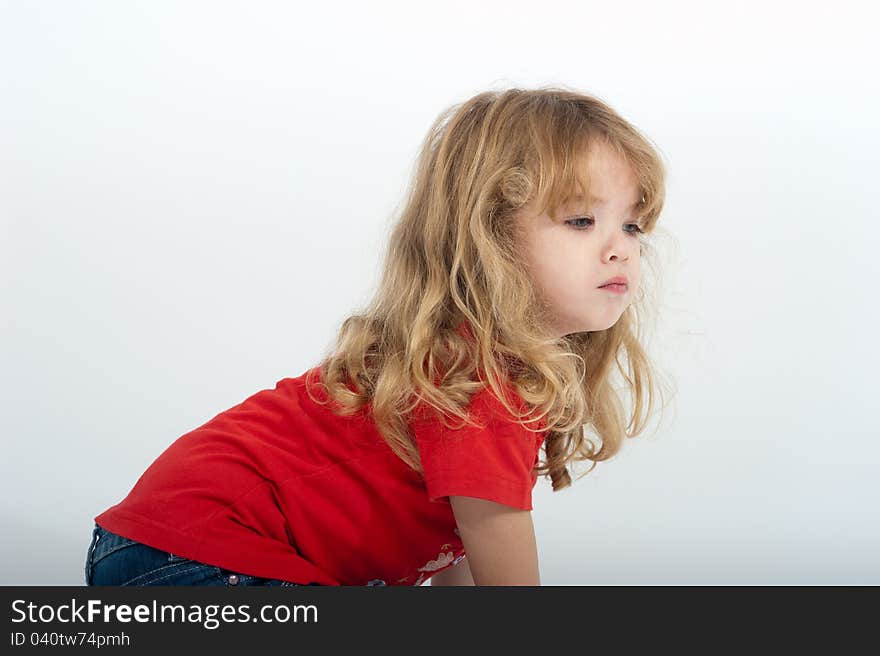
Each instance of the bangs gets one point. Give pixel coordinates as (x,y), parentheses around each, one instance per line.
(563,179)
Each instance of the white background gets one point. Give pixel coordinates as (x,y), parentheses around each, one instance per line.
(194,195)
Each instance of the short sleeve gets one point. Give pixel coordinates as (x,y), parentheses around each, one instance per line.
(494,461)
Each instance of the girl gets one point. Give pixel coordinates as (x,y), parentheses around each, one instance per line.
(511,287)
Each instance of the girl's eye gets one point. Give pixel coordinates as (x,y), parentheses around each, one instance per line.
(575,223)
(572,222)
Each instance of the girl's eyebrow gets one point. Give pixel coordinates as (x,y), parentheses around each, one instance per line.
(577,198)
(601,201)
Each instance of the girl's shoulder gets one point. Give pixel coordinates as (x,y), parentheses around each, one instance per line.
(486,410)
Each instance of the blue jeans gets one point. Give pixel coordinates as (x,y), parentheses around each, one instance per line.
(115,560)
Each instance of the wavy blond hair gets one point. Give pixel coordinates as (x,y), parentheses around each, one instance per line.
(453,259)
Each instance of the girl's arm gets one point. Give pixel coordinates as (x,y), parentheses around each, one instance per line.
(459,574)
(499,541)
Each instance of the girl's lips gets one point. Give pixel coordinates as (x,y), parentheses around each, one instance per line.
(615,288)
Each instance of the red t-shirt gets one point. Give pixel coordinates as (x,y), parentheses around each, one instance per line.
(280,487)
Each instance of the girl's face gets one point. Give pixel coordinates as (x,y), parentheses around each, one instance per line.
(590,242)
